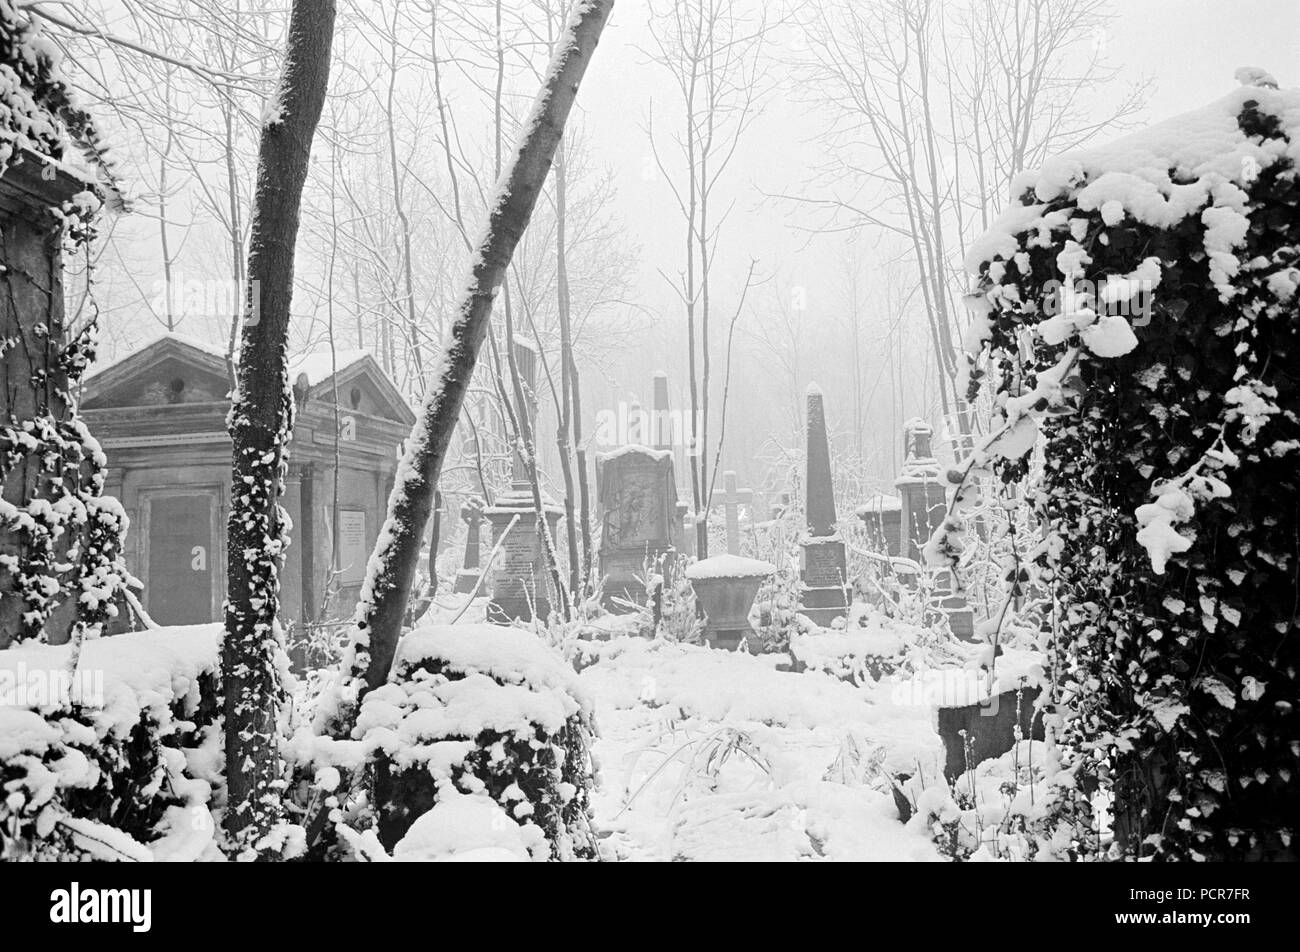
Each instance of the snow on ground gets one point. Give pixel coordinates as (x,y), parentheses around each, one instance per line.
(712,755)
(707,754)
(703,754)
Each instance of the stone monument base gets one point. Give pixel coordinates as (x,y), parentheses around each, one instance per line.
(821,594)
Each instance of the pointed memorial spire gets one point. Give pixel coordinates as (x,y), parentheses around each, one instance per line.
(820,507)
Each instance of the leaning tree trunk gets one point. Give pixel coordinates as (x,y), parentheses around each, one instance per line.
(388,580)
(261,422)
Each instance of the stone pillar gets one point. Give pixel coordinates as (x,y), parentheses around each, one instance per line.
(924,507)
(822,594)
(920,489)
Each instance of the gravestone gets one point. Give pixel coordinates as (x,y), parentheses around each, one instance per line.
(732,500)
(923,508)
(471,513)
(974,733)
(882,516)
(824,575)
(520,581)
(638,513)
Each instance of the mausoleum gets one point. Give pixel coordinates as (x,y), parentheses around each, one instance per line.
(160,416)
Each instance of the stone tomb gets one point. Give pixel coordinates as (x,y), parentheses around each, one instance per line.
(160,416)
(637,497)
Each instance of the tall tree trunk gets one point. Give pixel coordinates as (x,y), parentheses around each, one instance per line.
(567,372)
(261,423)
(388,582)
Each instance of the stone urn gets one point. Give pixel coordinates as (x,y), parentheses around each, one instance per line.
(726,586)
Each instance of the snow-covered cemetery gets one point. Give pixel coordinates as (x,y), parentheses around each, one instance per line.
(663,430)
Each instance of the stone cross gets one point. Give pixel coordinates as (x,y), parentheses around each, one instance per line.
(471,513)
(732,500)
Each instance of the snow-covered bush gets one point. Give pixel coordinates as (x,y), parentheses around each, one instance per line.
(1005,808)
(870,646)
(777,605)
(478,710)
(119,759)
(1137,309)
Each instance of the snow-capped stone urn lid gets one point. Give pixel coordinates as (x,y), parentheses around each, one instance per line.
(726,586)
(729,566)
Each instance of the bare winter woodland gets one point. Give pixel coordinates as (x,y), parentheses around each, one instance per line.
(692,429)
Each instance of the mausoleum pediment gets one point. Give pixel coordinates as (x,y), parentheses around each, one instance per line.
(168,371)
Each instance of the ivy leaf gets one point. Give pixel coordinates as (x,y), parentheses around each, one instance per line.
(1219,691)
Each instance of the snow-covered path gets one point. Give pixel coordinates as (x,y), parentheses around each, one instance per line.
(707,754)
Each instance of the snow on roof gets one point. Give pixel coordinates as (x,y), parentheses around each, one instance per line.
(320,365)
(212,350)
(729,566)
(880,502)
(317,364)
(1158,175)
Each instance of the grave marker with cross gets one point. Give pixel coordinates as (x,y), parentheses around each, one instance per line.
(732,500)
